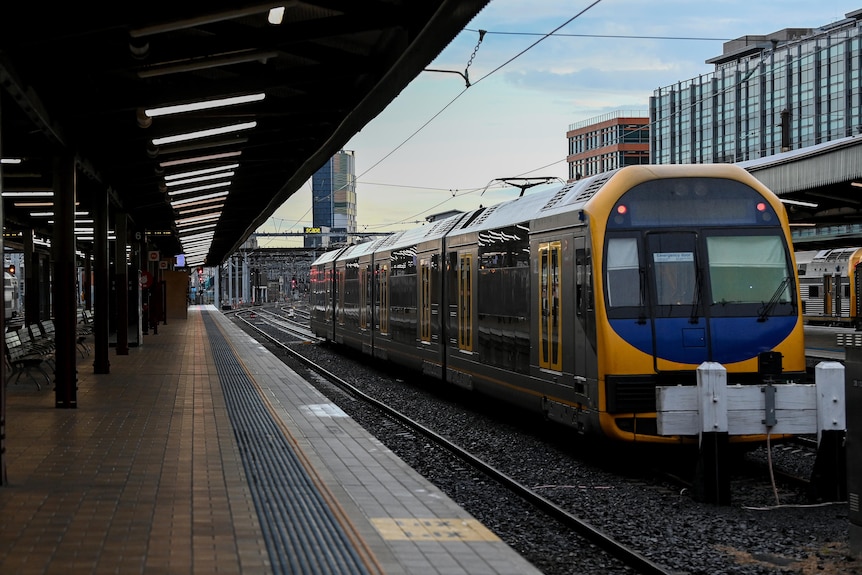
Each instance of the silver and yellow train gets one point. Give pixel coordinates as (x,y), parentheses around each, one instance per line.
(829,286)
(579,300)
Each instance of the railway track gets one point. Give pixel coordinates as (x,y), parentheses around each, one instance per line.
(630,558)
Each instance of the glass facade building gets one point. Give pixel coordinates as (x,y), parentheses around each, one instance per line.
(791,89)
(607,142)
(333,192)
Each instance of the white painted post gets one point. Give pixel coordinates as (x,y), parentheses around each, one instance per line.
(831,405)
(712,386)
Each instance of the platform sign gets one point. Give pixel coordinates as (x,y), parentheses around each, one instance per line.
(146,279)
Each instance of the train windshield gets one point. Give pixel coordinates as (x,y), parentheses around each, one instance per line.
(696,247)
(748,269)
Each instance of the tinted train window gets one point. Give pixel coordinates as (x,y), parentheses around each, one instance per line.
(748,269)
(623,272)
(505,248)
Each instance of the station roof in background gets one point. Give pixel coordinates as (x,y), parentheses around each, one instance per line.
(78,77)
(821,187)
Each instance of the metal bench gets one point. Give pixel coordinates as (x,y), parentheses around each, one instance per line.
(23,359)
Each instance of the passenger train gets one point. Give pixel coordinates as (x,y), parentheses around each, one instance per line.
(13,317)
(578,301)
(829,288)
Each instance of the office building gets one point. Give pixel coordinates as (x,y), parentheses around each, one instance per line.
(787,90)
(333,192)
(607,142)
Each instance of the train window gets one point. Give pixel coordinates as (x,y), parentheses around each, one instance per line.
(623,272)
(748,269)
(674,268)
(505,248)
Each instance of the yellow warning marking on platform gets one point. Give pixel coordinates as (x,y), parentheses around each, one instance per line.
(433,530)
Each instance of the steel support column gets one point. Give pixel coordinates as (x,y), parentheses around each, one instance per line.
(101,287)
(122,281)
(3,374)
(64,283)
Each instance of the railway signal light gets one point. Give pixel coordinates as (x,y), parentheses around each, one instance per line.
(11,269)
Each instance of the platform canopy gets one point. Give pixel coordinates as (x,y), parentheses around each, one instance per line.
(91,80)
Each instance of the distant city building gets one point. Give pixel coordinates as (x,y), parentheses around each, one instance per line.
(787,90)
(608,142)
(333,193)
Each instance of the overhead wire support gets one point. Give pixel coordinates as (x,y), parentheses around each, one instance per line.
(466,74)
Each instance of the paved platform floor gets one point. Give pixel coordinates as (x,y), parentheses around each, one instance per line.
(145,475)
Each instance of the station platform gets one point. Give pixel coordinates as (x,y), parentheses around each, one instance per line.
(200,452)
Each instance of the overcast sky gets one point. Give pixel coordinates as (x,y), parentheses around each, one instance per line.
(439,144)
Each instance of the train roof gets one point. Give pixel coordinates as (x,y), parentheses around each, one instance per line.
(835,254)
(558,201)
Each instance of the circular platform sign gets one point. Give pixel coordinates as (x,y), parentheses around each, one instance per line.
(146,279)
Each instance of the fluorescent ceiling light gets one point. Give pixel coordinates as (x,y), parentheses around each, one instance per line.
(198,199)
(215,205)
(205,178)
(204,133)
(34,204)
(193,173)
(276,15)
(204,105)
(10,160)
(184,223)
(196,159)
(51,214)
(27,193)
(207,62)
(798,203)
(201,145)
(199,188)
(197,228)
(198,237)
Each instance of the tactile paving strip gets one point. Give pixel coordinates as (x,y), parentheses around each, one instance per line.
(302,533)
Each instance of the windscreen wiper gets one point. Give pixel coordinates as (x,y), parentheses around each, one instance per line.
(767,307)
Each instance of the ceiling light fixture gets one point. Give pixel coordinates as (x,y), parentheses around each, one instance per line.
(193,173)
(199,159)
(198,199)
(214,206)
(199,188)
(204,133)
(276,15)
(201,145)
(195,64)
(205,178)
(798,203)
(204,105)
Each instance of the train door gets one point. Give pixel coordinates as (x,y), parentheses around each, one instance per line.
(381,273)
(672,258)
(827,295)
(425,300)
(465,302)
(363,297)
(856,295)
(339,292)
(580,325)
(550,306)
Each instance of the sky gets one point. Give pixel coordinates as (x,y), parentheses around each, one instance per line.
(440,145)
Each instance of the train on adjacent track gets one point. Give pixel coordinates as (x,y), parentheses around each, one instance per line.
(829,286)
(12,309)
(579,300)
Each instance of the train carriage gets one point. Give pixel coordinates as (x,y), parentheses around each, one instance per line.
(828,286)
(579,300)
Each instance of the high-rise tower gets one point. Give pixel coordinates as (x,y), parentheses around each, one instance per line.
(333,192)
